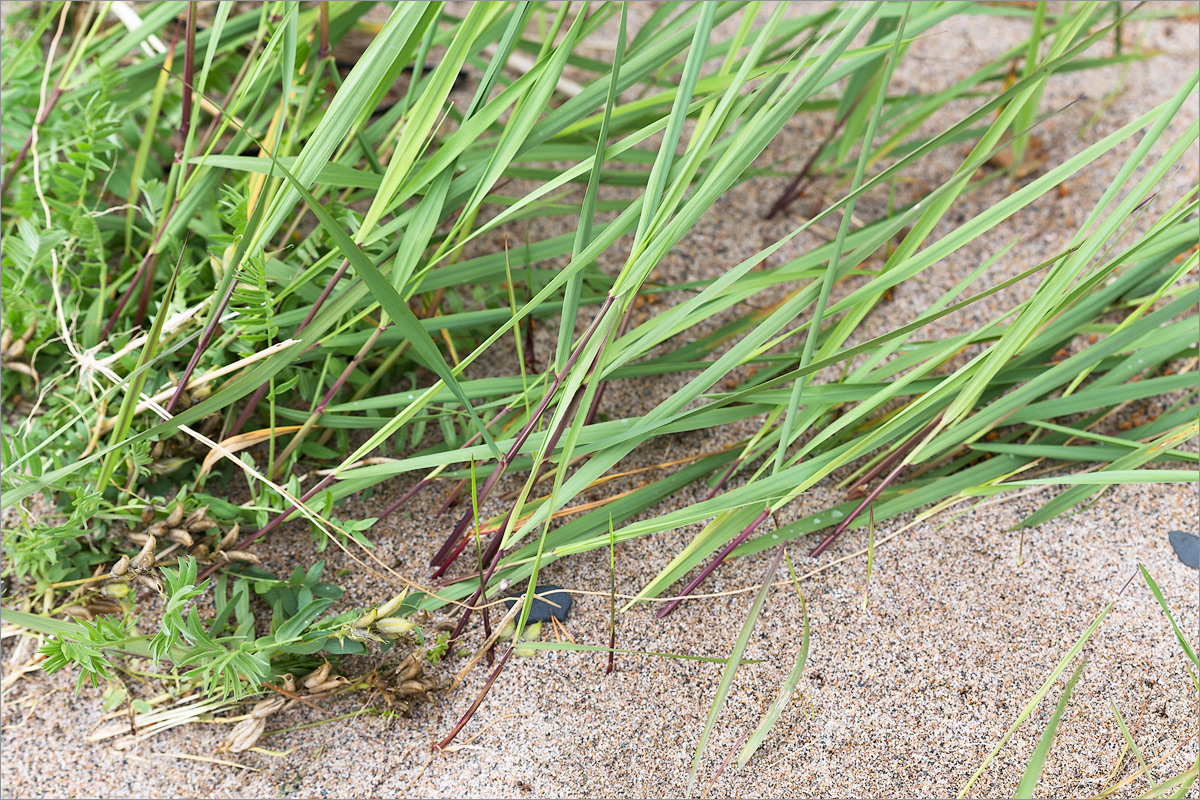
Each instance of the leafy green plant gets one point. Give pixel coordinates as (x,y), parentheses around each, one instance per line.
(224,259)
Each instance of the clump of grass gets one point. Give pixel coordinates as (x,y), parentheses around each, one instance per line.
(222,257)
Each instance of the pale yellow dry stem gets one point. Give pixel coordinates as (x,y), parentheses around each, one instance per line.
(200,380)
(219,761)
(487,645)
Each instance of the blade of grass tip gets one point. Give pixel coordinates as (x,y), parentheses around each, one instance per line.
(133,393)
(612,574)
(731,666)
(587,210)
(1041,693)
(870,555)
(1162,603)
(1037,761)
(788,689)
(487,619)
(1133,745)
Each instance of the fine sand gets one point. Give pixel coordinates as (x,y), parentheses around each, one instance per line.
(965,620)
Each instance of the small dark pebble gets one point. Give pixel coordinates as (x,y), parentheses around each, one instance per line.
(1186,546)
(540,610)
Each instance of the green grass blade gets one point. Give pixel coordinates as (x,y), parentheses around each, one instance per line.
(1033,772)
(786,690)
(726,683)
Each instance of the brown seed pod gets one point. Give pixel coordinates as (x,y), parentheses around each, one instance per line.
(317,676)
(238,555)
(181,536)
(121,567)
(245,734)
(265,708)
(176,516)
(145,559)
(411,667)
(99,606)
(336,682)
(198,521)
(6,340)
(289,682)
(157,529)
(412,687)
(200,552)
(148,514)
(78,612)
(229,539)
(150,582)
(139,538)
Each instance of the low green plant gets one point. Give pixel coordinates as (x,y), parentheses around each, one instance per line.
(226,261)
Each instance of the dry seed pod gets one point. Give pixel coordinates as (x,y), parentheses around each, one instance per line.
(238,555)
(150,582)
(176,515)
(6,340)
(289,682)
(229,539)
(337,681)
(157,529)
(78,612)
(145,559)
(317,676)
(265,708)
(148,514)
(198,521)
(16,350)
(245,734)
(104,607)
(200,552)
(181,536)
(139,538)
(412,687)
(409,668)
(121,567)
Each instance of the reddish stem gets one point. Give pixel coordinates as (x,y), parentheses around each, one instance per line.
(508,457)
(716,562)
(256,398)
(265,529)
(24,151)
(870,498)
(442,745)
(857,487)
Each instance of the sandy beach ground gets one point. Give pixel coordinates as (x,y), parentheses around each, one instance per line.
(905,698)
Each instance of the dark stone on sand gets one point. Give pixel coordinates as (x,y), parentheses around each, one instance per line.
(540,610)
(1186,546)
